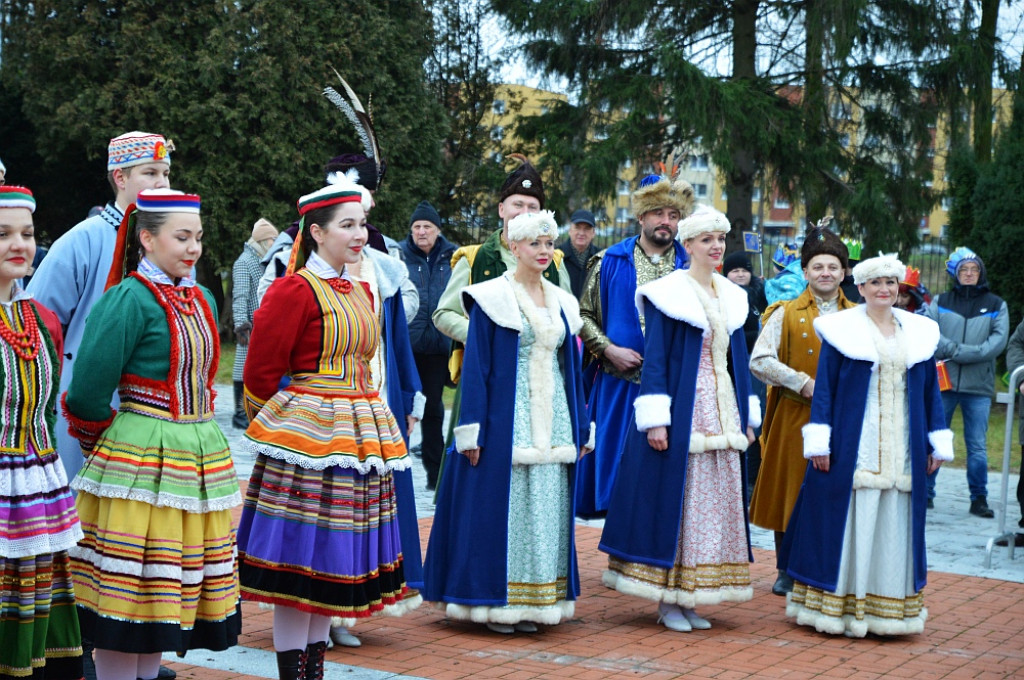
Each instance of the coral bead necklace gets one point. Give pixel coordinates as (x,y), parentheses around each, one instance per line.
(25,342)
(183,299)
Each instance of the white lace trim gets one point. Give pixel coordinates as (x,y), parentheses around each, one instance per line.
(41,545)
(159,500)
(171,572)
(36,479)
(373,463)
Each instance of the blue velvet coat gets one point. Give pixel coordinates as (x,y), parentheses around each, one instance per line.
(647,500)
(467,559)
(812,548)
(404,395)
(611,399)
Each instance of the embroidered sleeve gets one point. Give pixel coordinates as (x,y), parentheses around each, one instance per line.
(764,359)
(87,432)
(592,332)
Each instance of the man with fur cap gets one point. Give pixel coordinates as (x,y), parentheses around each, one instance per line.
(522,192)
(613,327)
(785,358)
(974,326)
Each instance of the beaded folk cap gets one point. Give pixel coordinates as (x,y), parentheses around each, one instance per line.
(137,148)
(533,225)
(148,201)
(17,197)
(341,190)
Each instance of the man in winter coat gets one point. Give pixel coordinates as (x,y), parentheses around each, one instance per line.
(428,255)
(579,247)
(974,326)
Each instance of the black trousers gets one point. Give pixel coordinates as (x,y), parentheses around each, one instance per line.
(433,370)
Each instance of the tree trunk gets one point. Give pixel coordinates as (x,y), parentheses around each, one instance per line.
(814,104)
(740,182)
(981,88)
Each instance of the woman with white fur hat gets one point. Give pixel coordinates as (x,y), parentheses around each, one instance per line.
(855,541)
(502,548)
(676,531)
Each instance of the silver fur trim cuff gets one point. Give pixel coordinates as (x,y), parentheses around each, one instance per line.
(467,437)
(419,402)
(816,439)
(754,412)
(591,441)
(942,444)
(653,410)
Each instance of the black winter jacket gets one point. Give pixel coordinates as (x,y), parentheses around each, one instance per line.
(430,274)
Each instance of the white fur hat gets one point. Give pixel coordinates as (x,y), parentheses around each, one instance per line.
(532,225)
(878,267)
(703,220)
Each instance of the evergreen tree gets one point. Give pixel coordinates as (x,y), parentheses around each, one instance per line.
(997,204)
(237,86)
(774,109)
(461,75)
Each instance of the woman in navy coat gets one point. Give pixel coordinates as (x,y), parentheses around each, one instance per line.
(676,531)
(855,541)
(502,547)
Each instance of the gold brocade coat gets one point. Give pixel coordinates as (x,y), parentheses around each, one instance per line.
(786,412)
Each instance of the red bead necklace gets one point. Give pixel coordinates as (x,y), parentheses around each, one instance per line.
(183,299)
(25,343)
(341,285)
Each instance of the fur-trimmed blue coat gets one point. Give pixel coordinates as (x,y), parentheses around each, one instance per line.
(812,548)
(611,398)
(647,500)
(467,560)
(405,398)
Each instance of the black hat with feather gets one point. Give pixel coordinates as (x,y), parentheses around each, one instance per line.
(367,168)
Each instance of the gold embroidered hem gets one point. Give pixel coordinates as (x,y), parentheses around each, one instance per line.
(856,616)
(682,585)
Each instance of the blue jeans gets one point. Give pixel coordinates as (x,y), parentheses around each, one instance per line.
(974,408)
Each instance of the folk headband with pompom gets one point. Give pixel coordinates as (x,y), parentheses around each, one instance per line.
(152,201)
(341,190)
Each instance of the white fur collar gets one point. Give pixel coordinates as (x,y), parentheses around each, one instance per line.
(498,301)
(848,331)
(390,272)
(675,297)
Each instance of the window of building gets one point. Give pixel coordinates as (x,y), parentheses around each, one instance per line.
(700,190)
(497,157)
(725,195)
(699,162)
(499,106)
(780,203)
(623,187)
(628,163)
(497,133)
(947,203)
(756,195)
(622,215)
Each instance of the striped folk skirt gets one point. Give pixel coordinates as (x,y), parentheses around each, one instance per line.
(322,541)
(39,633)
(156,570)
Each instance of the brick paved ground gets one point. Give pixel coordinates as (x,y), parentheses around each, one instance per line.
(975,630)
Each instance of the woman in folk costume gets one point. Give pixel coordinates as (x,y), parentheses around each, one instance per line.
(855,542)
(502,546)
(38,523)
(319,535)
(156,569)
(676,531)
